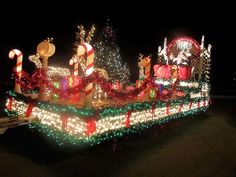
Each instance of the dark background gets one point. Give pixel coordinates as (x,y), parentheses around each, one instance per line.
(204,146)
(141,28)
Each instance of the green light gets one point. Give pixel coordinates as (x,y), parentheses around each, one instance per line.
(56,84)
(62,138)
(70,81)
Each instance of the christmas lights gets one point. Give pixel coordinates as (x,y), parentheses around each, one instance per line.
(86,124)
(62,138)
(57,71)
(50,96)
(108,56)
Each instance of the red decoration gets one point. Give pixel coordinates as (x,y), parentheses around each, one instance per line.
(198,103)
(9,105)
(209,101)
(190,104)
(168,108)
(184,72)
(153,109)
(129,88)
(90,127)
(180,93)
(180,107)
(167,71)
(127,122)
(39,77)
(116,86)
(29,110)
(162,71)
(64,119)
(165,92)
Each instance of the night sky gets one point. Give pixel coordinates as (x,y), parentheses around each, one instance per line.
(141,28)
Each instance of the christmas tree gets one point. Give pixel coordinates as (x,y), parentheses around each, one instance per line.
(108,57)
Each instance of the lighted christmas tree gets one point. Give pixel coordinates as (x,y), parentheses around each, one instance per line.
(108,57)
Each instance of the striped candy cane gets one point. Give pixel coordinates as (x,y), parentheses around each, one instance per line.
(18,68)
(76,66)
(87,49)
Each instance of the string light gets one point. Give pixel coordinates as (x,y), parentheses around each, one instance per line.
(81,33)
(58,71)
(108,56)
(62,138)
(36,60)
(70,124)
(109,122)
(90,34)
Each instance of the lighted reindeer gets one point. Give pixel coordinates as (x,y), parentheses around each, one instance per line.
(144,66)
(144,73)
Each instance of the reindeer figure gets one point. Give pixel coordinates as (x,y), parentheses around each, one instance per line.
(145,66)
(144,73)
(141,69)
(80,60)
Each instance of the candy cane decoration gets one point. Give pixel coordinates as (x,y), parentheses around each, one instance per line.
(86,49)
(76,66)
(18,69)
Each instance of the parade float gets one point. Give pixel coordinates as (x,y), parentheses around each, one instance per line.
(87,108)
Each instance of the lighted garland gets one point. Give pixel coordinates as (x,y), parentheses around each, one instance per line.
(104,112)
(31,91)
(29,83)
(69,125)
(70,110)
(52,107)
(39,77)
(10,114)
(62,138)
(97,139)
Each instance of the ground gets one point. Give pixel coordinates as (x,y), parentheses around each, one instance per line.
(200,146)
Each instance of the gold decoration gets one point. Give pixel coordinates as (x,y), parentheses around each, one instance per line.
(36,60)
(98,93)
(101,72)
(82,34)
(46,48)
(90,34)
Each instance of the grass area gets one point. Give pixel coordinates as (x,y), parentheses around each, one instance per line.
(200,146)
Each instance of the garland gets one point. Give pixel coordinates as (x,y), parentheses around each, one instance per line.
(102,112)
(39,77)
(62,138)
